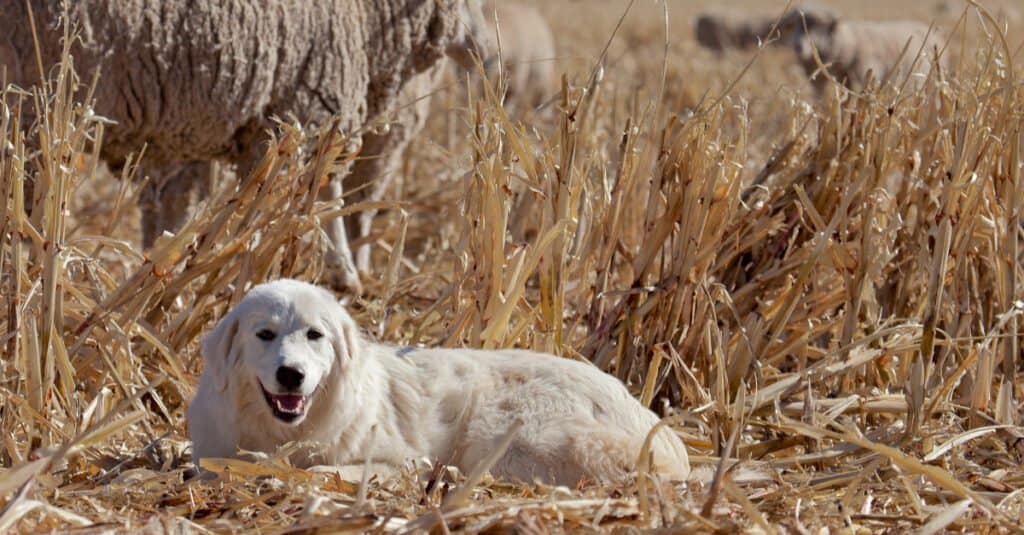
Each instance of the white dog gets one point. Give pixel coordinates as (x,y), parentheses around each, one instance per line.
(288,364)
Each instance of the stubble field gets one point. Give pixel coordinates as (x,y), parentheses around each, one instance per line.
(822,295)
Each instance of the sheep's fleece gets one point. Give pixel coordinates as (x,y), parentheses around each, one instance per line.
(527,48)
(288,364)
(854,50)
(727,30)
(200,80)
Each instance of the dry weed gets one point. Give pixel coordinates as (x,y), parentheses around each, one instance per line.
(823,296)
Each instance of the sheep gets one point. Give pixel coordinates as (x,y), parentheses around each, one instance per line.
(527,50)
(200,81)
(855,51)
(171,195)
(728,30)
(719,31)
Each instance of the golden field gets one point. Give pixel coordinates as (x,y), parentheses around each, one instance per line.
(821,295)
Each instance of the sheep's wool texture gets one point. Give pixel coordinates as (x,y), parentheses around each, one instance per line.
(200,80)
(852,49)
(527,51)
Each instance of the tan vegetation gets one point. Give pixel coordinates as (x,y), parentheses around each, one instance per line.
(822,296)
(524,54)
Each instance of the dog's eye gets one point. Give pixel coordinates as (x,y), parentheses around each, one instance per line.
(266,335)
(314,334)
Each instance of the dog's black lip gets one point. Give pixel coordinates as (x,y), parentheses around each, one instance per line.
(283,416)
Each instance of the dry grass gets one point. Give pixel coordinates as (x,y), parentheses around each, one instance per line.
(824,295)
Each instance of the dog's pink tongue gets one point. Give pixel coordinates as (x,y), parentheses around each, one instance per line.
(289,402)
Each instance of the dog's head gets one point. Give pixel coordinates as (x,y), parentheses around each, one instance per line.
(280,343)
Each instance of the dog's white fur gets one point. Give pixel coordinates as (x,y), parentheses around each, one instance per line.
(368,400)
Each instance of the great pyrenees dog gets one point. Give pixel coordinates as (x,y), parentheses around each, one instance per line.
(288,364)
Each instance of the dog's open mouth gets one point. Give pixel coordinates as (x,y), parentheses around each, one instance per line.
(286,407)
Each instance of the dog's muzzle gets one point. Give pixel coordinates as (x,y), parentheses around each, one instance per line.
(286,407)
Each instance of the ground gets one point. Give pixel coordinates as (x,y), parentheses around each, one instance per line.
(821,293)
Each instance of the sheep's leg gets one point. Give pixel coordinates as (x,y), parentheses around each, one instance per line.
(341,271)
(379,160)
(170,197)
(381,156)
(339,257)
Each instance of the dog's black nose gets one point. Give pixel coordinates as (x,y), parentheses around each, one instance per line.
(289,377)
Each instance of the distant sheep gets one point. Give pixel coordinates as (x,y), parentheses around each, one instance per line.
(852,49)
(728,30)
(199,81)
(723,30)
(527,48)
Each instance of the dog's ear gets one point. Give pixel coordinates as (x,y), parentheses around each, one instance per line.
(346,336)
(218,347)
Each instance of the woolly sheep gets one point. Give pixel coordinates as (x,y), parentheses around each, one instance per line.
(527,49)
(728,30)
(851,49)
(379,161)
(200,81)
(723,30)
